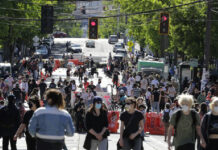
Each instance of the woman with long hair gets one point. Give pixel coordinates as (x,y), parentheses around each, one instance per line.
(209,127)
(97,126)
(132,125)
(49,124)
(33,105)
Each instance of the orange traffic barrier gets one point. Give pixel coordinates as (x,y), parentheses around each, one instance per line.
(154,124)
(113,117)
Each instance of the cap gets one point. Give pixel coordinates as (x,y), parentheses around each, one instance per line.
(97,99)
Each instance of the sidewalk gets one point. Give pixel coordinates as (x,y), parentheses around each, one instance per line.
(152,142)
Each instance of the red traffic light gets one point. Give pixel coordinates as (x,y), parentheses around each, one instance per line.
(164,18)
(93,23)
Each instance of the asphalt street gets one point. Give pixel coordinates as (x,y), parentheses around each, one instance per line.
(102,49)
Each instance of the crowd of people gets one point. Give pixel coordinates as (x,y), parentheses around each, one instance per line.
(47,122)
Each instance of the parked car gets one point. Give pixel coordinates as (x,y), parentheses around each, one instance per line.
(59,34)
(42,51)
(90,43)
(113,39)
(119,56)
(4,69)
(118,46)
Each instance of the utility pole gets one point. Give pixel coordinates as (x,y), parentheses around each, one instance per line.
(207,36)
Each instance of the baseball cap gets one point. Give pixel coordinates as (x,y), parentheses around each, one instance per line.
(97,99)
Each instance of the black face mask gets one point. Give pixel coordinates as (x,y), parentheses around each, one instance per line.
(30,105)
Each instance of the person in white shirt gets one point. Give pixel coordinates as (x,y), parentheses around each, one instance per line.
(9,81)
(155,82)
(148,98)
(171,92)
(98,86)
(131,80)
(24,86)
(129,89)
(144,84)
(138,78)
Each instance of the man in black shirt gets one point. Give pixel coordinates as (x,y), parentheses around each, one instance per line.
(17,93)
(52,84)
(42,87)
(92,88)
(155,100)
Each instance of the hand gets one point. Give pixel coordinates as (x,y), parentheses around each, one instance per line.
(132,136)
(203,143)
(15,137)
(121,142)
(99,137)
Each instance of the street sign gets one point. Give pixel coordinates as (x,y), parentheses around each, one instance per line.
(130,44)
(35,44)
(35,39)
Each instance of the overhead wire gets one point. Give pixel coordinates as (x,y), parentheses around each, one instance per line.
(113,16)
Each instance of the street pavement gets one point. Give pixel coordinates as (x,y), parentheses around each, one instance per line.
(152,142)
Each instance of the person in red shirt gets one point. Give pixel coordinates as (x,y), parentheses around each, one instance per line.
(86,83)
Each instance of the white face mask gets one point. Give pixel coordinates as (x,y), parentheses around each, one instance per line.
(185,108)
(216,109)
(127,107)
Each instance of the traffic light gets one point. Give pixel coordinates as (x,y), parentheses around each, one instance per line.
(164,23)
(47,19)
(93,28)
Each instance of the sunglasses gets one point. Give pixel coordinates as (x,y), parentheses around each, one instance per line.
(128,103)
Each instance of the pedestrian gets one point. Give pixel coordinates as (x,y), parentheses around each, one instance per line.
(162,100)
(131,127)
(209,126)
(49,124)
(148,99)
(17,93)
(97,124)
(201,97)
(155,100)
(42,88)
(34,104)
(52,84)
(166,119)
(186,123)
(9,123)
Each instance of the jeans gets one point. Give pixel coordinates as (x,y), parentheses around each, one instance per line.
(155,106)
(6,140)
(45,145)
(101,145)
(137,144)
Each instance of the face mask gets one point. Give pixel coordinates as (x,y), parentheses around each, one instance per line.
(97,106)
(127,107)
(185,108)
(30,105)
(216,109)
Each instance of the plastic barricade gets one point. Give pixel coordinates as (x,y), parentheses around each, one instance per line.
(75,61)
(154,124)
(113,117)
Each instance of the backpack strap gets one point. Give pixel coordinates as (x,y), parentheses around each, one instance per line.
(178,116)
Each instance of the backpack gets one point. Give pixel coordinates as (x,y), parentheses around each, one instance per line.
(166,117)
(178,116)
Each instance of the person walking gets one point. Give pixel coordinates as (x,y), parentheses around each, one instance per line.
(166,119)
(34,104)
(186,123)
(155,100)
(97,126)
(9,123)
(132,125)
(49,124)
(209,127)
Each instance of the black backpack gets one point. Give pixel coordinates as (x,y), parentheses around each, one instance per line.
(178,116)
(166,117)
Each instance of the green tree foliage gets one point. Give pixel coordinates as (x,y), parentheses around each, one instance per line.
(187,25)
